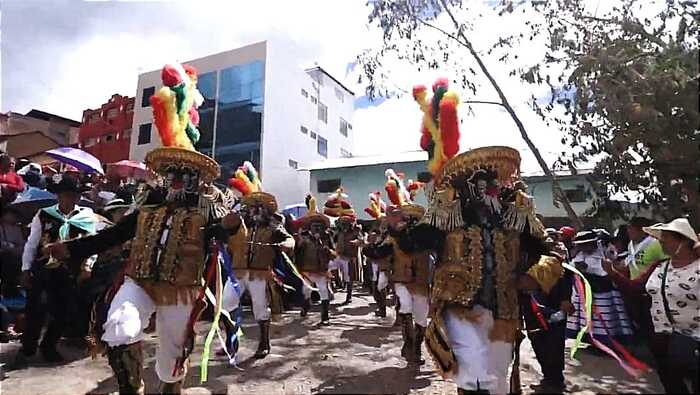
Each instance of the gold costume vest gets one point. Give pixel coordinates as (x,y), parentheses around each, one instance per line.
(411,269)
(314,257)
(344,248)
(176,272)
(249,249)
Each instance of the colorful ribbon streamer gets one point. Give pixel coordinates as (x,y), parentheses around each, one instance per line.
(217,315)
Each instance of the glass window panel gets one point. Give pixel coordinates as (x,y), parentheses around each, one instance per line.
(239,115)
(206,83)
(322,147)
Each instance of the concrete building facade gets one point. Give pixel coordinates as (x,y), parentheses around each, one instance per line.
(105,132)
(62,130)
(260,107)
(362,175)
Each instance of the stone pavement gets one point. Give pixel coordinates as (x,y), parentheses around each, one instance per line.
(359,353)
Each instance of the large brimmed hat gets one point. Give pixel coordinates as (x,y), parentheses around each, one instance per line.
(679,225)
(504,162)
(312,215)
(162,160)
(63,184)
(585,237)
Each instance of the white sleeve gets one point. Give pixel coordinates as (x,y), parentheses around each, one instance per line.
(32,244)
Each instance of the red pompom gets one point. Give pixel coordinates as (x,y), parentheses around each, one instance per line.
(190,70)
(170,76)
(418,89)
(449,128)
(239,185)
(441,82)
(194,116)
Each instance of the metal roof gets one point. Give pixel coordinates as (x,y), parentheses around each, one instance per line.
(356,161)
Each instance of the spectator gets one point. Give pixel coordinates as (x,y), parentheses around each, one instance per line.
(10,183)
(32,175)
(611,319)
(11,247)
(643,250)
(673,286)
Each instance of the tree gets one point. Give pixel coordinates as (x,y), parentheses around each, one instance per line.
(413,34)
(628,81)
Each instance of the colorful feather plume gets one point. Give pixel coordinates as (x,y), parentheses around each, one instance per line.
(440,125)
(245,179)
(175,107)
(377,207)
(337,205)
(395,189)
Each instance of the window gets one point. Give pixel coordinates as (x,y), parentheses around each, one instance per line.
(112,113)
(577,195)
(322,112)
(345,153)
(144,134)
(314,100)
(304,93)
(339,95)
(313,135)
(130,106)
(146,97)
(343,127)
(304,130)
(293,164)
(322,146)
(349,127)
(328,186)
(424,176)
(109,137)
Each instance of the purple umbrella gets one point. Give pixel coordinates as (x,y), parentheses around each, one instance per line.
(77,158)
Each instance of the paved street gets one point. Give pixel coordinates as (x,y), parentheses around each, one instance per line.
(357,354)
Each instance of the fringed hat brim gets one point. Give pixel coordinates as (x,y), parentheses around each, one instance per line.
(260,198)
(412,210)
(160,159)
(308,219)
(505,161)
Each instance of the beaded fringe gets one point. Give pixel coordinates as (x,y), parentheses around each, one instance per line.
(444,216)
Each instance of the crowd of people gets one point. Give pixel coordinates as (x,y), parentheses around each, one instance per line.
(121,259)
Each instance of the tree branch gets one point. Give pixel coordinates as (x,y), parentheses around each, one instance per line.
(556,188)
(482,102)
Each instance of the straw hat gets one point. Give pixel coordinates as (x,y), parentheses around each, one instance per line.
(679,225)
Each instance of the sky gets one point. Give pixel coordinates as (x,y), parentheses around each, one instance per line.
(65,56)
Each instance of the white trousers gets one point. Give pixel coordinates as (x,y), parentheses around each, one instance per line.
(321,281)
(128,316)
(412,303)
(481,363)
(342,264)
(257,288)
(380,277)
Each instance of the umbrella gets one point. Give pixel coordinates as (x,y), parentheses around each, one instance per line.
(127,169)
(77,158)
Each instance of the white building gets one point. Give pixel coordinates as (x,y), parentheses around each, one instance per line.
(260,107)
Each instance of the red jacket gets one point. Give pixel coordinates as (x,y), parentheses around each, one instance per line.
(11,182)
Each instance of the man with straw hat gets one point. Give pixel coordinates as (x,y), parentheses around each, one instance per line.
(313,252)
(169,234)
(380,267)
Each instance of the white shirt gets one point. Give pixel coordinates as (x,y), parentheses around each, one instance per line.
(31,247)
(593,262)
(682,293)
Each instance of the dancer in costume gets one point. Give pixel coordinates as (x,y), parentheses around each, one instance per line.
(348,238)
(409,267)
(183,215)
(256,246)
(489,244)
(43,273)
(380,267)
(313,252)
(612,319)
